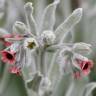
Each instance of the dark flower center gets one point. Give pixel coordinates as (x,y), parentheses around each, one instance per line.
(31,45)
(85,66)
(9,56)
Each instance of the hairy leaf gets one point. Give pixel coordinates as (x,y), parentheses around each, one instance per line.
(89,88)
(68,24)
(29,17)
(49,16)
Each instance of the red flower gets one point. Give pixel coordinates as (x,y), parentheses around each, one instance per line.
(6,43)
(8,36)
(15,36)
(85,66)
(15,70)
(8,56)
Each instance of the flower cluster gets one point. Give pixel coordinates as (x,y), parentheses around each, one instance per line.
(11,54)
(30,52)
(74,62)
(8,54)
(21,41)
(27,39)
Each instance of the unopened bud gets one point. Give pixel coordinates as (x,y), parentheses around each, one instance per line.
(48,37)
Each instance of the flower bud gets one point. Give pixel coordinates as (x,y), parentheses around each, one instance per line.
(48,37)
(28,7)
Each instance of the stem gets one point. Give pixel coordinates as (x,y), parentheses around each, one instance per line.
(38,60)
(42,61)
(33,63)
(52,64)
(62,86)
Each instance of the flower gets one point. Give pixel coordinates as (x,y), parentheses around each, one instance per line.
(30,43)
(8,56)
(6,43)
(15,70)
(86,66)
(82,63)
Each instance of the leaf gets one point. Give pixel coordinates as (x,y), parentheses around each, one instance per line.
(76,87)
(67,38)
(89,88)
(68,24)
(62,85)
(34,82)
(11,84)
(19,28)
(82,48)
(54,48)
(29,17)
(15,87)
(45,87)
(48,20)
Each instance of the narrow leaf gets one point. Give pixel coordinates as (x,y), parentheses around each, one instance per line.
(68,24)
(34,82)
(76,87)
(89,88)
(67,38)
(49,16)
(82,48)
(55,47)
(62,85)
(29,17)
